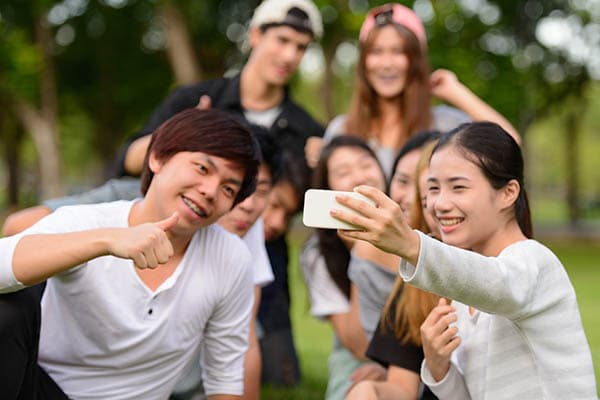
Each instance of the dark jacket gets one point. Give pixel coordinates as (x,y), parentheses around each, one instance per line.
(291,128)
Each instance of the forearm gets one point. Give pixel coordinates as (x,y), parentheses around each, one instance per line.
(490,284)
(135,155)
(464,99)
(38,257)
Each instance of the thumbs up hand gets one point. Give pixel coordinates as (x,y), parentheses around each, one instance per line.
(148,244)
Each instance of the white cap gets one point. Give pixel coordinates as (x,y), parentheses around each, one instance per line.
(277,12)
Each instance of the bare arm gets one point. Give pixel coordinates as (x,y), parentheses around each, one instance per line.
(446,87)
(253,362)
(136,152)
(348,328)
(39,256)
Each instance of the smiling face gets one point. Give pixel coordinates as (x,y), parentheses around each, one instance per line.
(403,184)
(349,167)
(386,63)
(468,210)
(277,52)
(200,187)
(241,218)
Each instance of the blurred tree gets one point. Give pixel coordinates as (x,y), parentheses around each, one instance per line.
(30,85)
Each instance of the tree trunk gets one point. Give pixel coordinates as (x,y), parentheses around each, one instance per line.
(328,81)
(43,134)
(180,51)
(572,167)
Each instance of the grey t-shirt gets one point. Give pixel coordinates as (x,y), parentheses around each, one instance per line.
(374,284)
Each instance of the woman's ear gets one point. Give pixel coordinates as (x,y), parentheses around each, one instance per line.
(154,163)
(510,193)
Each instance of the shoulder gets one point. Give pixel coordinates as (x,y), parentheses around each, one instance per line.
(446,118)
(335,127)
(90,216)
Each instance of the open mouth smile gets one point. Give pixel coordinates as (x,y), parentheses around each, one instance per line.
(199,211)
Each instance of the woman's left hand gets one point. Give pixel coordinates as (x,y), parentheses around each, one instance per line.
(383,224)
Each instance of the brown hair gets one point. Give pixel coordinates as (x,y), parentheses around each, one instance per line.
(213,132)
(411,305)
(414,103)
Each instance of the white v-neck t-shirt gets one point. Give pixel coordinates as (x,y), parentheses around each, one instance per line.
(105,334)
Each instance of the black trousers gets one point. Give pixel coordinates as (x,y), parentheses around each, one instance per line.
(20,375)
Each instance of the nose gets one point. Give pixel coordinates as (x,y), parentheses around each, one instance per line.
(248,204)
(209,188)
(290,53)
(440,202)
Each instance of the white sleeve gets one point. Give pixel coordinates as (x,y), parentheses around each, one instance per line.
(63,220)
(8,282)
(226,332)
(326,298)
(452,387)
(335,128)
(261,266)
(503,285)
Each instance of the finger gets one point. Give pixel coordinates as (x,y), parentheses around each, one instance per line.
(204,103)
(139,260)
(379,197)
(354,219)
(438,312)
(168,223)
(151,261)
(165,250)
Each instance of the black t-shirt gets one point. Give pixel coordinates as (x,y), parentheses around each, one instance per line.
(386,349)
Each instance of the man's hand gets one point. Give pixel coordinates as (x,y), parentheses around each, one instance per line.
(147,245)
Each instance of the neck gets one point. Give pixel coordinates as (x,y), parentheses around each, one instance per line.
(257,94)
(503,238)
(388,125)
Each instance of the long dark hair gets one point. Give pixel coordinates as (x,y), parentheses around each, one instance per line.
(499,158)
(334,251)
(212,132)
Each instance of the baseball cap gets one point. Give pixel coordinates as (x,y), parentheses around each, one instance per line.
(280,12)
(393,13)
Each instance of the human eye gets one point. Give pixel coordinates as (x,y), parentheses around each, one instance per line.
(433,188)
(229,191)
(202,168)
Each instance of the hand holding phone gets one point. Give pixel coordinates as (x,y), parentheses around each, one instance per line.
(318,203)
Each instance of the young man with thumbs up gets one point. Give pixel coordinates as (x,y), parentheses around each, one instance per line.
(136,289)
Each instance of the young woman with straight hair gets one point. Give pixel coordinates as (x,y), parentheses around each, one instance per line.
(514,329)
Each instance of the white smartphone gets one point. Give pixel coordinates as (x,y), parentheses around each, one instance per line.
(318,203)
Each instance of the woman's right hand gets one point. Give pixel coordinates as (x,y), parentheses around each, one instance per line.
(439,339)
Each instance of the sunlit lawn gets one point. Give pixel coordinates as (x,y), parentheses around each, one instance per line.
(313,338)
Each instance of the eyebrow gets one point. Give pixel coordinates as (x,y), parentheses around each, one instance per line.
(214,166)
(452,179)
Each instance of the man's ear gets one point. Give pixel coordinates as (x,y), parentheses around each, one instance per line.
(254,36)
(154,163)
(510,193)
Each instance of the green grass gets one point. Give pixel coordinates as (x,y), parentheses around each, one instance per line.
(314,338)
